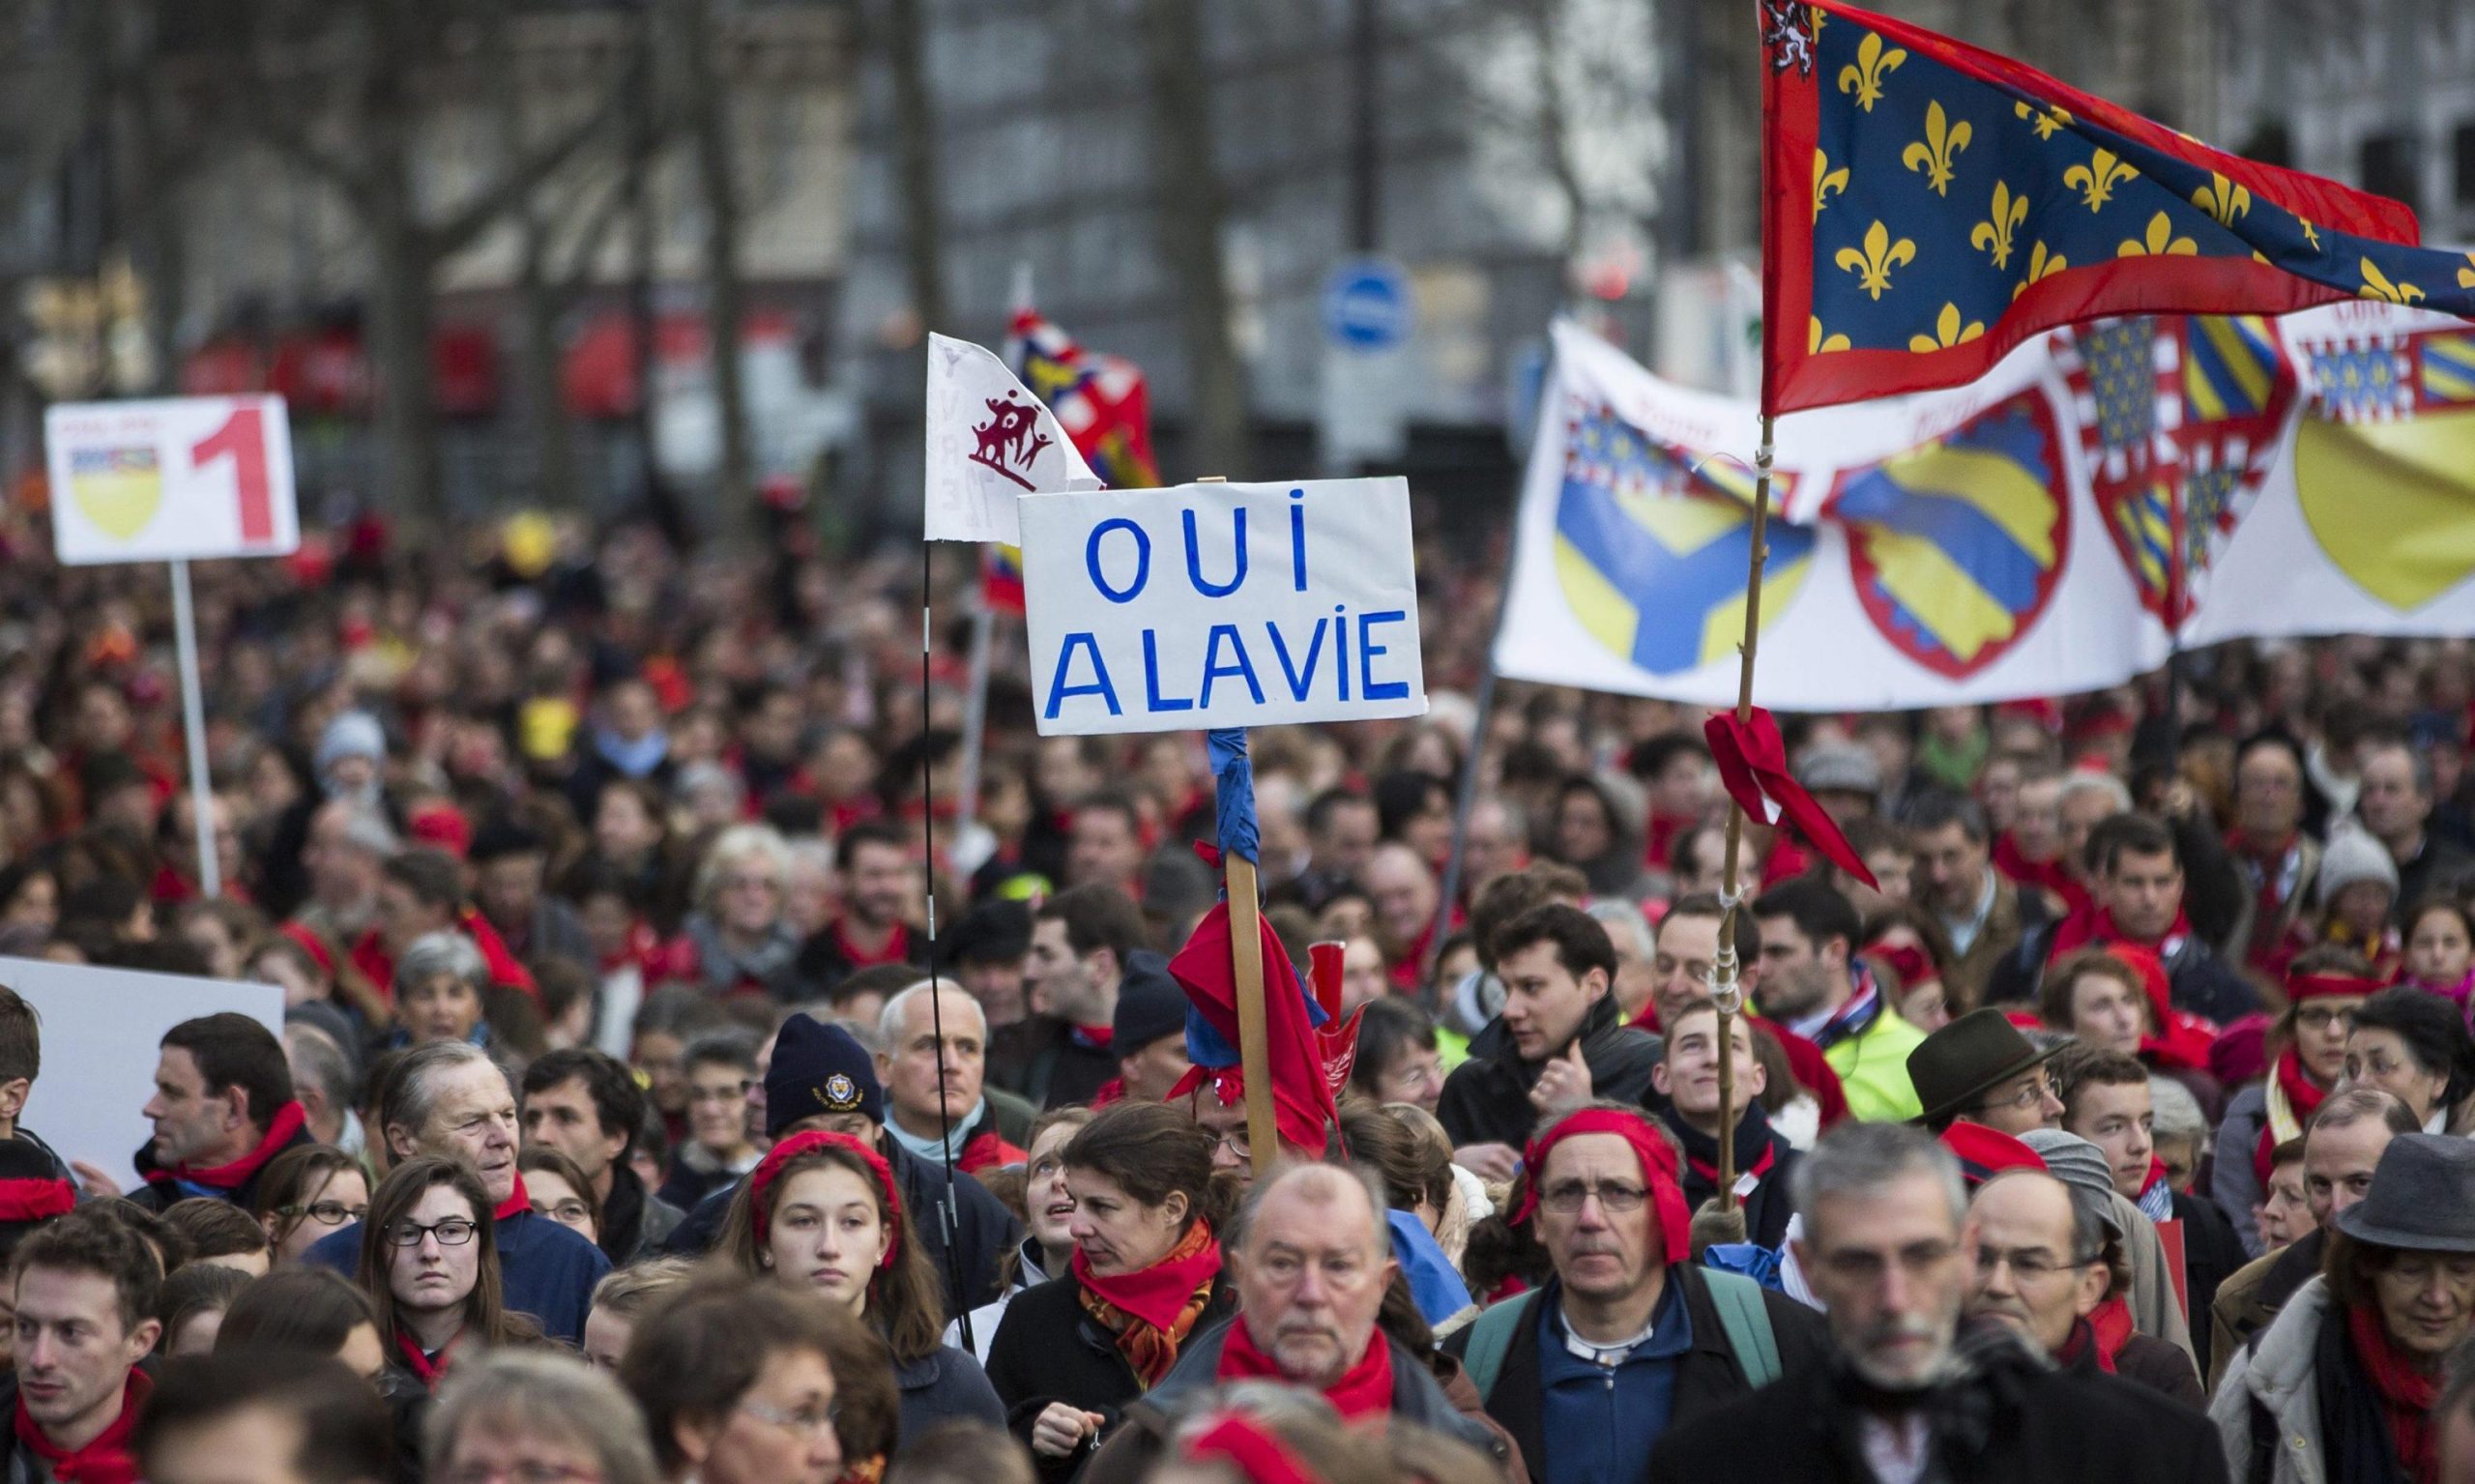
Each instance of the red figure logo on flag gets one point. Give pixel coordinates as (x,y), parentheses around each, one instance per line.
(1007,442)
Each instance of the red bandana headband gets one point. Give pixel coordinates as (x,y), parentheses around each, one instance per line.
(1658,1171)
(2323,986)
(769,1170)
(1257,1452)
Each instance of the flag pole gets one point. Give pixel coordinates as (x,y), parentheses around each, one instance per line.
(983,631)
(1724,990)
(1246,958)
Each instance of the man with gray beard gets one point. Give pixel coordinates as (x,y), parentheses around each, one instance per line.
(1907,1394)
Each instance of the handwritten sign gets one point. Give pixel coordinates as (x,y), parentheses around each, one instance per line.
(172,478)
(1222,605)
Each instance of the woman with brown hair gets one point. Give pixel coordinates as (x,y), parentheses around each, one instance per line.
(822,1213)
(308,1193)
(429,1266)
(1147,1273)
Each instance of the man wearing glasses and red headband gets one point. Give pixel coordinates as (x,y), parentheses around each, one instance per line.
(1631,1334)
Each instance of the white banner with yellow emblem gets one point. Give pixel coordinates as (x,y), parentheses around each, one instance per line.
(1926,550)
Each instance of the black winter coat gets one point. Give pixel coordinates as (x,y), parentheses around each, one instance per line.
(2019,1421)
(1707,1378)
(1048,1349)
(1486,1100)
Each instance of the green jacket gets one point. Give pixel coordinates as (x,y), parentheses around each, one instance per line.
(1873,1067)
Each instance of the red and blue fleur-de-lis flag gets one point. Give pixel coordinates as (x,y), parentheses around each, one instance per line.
(1927,206)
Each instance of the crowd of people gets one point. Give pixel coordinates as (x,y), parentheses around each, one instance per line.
(630,1119)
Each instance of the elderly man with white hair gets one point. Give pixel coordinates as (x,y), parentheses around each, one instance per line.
(988,1126)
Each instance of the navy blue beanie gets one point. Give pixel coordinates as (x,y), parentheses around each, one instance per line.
(818,1069)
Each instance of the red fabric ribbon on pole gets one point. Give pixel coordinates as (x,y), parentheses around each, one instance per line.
(1753,764)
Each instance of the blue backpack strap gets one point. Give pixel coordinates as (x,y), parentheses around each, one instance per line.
(1746,1320)
(1490,1337)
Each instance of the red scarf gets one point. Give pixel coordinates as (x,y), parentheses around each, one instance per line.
(105,1461)
(1760,1167)
(1364,1390)
(2096,925)
(2052,875)
(2302,1095)
(1257,1451)
(896,949)
(281,1130)
(517,1203)
(2082,1344)
(2405,1391)
(1152,1310)
(429,1373)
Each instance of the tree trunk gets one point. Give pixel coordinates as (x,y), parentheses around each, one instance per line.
(915,131)
(709,114)
(410,479)
(1188,210)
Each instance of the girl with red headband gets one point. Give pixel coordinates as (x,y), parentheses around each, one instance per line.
(822,1213)
(2323,989)
(1146,1275)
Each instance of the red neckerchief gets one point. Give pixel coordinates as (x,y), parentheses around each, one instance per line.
(2275,873)
(516,1204)
(1152,1310)
(429,1373)
(1110,1092)
(2111,1323)
(281,1130)
(988,1151)
(1093,1038)
(2302,1095)
(896,949)
(1759,1168)
(2081,1345)
(2405,1392)
(2095,924)
(1364,1390)
(2053,875)
(105,1461)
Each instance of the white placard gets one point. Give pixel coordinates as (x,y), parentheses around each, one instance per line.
(188,477)
(1222,605)
(103,1033)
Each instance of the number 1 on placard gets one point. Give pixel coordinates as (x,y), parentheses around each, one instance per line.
(243,435)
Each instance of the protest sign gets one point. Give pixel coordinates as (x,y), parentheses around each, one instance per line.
(188,477)
(103,1029)
(1222,605)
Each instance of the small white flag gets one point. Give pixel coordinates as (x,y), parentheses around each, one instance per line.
(989,442)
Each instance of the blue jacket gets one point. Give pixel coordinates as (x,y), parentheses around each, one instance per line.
(947,1387)
(544,1269)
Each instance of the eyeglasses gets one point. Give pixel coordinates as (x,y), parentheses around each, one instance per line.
(1568,1196)
(2030,1095)
(2320,1017)
(807,1420)
(2028,1265)
(1235,1142)
(327,1214)
(453,1231)
(570,1213)
(746,883)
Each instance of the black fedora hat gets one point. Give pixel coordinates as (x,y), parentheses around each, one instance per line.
(2421,1197)
(1957,1065)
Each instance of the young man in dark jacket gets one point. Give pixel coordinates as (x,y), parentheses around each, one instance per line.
(1687,1078)
(1907,1392)
(1560,1041)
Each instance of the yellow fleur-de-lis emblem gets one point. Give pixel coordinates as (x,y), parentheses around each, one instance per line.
(1826,180)
(1864,76)
(1994,234)
(2096,180)
(2160,241)
(1820,14)
(2041,265)
(2222,199)
(1932,154)
(2376,286)
(1872,266)
(2466,276)
(2047,122)
(2311,233)
(1947,331)
(1818,343)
